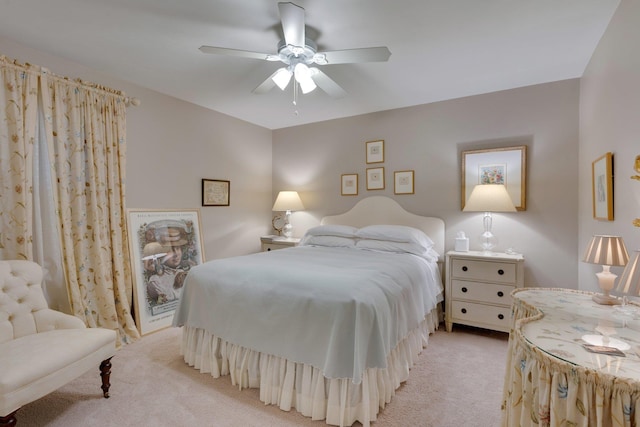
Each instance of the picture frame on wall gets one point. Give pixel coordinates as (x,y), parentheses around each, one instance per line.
(164,246)
(349,184)
(375,151)
(507,166)
(602,187)
(375,179)
(403,182)
(215,192)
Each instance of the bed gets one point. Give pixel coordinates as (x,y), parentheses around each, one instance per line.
(330,327)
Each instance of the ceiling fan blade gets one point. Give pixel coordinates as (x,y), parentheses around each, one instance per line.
(351,56)
(266,85)
(292,17)
(325,83)
(238,52)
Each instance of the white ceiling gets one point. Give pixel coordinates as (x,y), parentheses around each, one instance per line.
(440,49)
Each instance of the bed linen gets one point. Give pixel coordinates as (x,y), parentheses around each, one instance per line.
(319,304)
(330,331)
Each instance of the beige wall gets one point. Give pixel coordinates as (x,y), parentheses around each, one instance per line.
(172,145)
(610,122)
(428,139)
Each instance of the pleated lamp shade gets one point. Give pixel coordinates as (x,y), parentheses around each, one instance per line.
(606,250)
(629,283)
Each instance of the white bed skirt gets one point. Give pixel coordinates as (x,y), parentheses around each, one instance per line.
(302,387)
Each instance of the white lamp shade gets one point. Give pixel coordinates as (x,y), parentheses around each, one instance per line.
(282,77)
(288,201)
(606,250)
(629,282)
(303,77)
(489,198)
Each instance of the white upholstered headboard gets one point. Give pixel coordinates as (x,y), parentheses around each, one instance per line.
(384,210)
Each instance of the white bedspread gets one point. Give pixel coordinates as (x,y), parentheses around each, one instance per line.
(341,310)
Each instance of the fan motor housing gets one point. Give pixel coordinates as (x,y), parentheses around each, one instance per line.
(301,54)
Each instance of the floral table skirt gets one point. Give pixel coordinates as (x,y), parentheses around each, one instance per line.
(543,390)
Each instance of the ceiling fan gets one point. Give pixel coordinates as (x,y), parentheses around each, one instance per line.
(298,52)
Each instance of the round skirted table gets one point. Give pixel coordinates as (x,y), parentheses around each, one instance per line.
(552,379)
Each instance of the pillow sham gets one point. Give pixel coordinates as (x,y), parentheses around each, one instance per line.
(395,233)
(332,230)
(330,241)
(397,247)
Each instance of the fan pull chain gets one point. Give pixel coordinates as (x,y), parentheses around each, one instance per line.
(295,97)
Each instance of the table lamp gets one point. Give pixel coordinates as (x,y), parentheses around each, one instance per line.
(489,198)
(607,251)
(287,201)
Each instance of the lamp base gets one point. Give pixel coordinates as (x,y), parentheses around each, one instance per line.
(606,299)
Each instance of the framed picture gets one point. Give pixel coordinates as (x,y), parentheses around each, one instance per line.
(349,184)
(403,182)
(507,166)
(164,245)
(215,192)
(602,187)
(375,151)
(375,179)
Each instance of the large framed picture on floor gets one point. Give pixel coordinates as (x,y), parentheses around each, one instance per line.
(164,246)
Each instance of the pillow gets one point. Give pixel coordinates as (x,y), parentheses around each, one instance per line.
(395,233)
(332,230)
(331,241)
(397,247)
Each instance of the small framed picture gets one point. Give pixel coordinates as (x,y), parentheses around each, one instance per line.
(602,187)
(215,192)
(349,186)
(375,179)
(375,151)
(403,182)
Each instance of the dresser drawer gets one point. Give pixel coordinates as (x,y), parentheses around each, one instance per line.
(501,272)
(470,313)
(482,292)
(272,247)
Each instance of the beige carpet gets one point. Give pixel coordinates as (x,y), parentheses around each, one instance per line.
(457,381)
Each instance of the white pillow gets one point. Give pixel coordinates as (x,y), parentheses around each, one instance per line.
(332,230)
(331,241)
(397,247)
(395,233)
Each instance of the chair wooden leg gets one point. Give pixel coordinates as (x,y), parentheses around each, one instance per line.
(8,420)
(105,373)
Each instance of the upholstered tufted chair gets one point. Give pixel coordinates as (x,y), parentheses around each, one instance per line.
(42,349)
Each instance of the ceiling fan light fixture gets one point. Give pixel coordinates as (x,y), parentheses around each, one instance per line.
(302,74)
(282,77)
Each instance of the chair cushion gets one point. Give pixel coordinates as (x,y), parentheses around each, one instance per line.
(36,365)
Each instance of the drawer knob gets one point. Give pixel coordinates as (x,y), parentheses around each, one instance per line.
(501,272)
(464,289)
(500,316)
(268,249)
(464,310)
(500,294)
(464,268)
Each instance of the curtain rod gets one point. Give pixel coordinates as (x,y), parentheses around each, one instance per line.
(90,85)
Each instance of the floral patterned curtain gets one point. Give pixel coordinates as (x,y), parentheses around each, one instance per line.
(85,128)
(18,127)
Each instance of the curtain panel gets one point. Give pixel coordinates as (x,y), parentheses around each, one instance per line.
(85,132)
(18,127)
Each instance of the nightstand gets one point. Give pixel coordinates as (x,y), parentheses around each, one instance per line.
(478,288)
(270,243)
